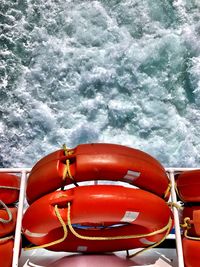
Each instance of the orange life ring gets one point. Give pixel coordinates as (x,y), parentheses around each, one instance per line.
(140,213)
(191,252)
(192,216)
(9,188)
(96,162)
(8,217)
(188,185)
(191,235)
(6,251)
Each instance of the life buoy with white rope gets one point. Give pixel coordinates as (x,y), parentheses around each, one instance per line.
(9,188)
(89,162)
(99,218)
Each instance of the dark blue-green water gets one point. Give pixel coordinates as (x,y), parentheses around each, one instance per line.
(125,72)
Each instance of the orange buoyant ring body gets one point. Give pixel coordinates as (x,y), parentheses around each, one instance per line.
(188,185)
(88,162)
(191,252)
(9,188)
(6,251)
(7,225)
(116,210)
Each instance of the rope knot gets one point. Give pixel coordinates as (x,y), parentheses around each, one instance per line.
(186,223)
(175,205)
(67,171)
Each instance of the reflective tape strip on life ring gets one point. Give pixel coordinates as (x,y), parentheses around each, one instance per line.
(89,162)
(97,212)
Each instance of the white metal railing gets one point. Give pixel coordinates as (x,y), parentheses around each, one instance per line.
(23,175)
(176,222)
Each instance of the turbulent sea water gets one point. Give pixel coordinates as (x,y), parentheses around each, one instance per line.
(77,71)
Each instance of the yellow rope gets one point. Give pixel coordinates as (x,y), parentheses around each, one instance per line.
(154,245)
(56,241)
(65,149)
(168,190)
(187,225)
(66,171)
(190,237)
(177,192)
(9,213)
(165,228)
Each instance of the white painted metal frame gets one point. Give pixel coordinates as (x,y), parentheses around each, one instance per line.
(23,174)
(176,222)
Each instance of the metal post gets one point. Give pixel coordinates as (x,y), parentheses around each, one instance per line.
(17,240)
(176,222)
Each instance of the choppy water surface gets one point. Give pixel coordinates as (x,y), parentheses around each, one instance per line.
(125,72)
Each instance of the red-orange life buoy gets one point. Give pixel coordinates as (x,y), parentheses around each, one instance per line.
(188,185)
(9,188)
(96,162)
(6,251)
(191,235)
(132,211)
(191,252)
(191,216)
(8,217)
